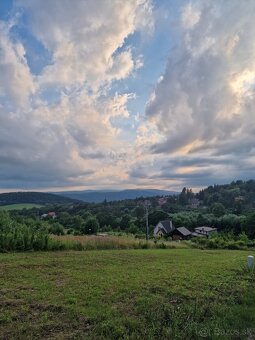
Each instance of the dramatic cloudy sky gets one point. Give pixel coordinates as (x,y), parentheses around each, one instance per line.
(126,93)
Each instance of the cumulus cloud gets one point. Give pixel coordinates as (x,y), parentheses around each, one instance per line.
(56,126)
(204,102)
(16,83)
(84,38)
(190,16)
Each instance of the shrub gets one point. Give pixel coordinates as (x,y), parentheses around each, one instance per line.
(161,245)
(144,245)
(91,226)
(56,229)
(213,244)
(16,236)
(70,231)
(223,241)
(232,245)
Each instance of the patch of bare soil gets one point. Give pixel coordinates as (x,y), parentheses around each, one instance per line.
(40,321)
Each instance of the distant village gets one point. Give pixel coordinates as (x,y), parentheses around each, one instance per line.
(165,229)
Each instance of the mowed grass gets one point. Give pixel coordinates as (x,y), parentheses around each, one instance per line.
(126,294)
(19,206)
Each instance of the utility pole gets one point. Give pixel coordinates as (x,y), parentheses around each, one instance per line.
(146,206)
(147,223)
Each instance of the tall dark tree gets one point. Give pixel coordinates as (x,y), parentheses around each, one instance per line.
(183,198)
(218,209)
(249,225)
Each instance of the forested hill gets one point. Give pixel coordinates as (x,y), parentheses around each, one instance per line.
(98,196)
(235,193)
(33,197)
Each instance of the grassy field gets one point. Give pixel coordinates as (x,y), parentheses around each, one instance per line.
(19,206)
(127,294)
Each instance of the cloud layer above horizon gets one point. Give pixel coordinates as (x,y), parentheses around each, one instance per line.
(113,94)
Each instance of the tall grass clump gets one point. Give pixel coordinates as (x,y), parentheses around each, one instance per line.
(94,243)
(16,236)
(73,242)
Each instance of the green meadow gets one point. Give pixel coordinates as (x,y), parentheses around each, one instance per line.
(19,206)
(127,294)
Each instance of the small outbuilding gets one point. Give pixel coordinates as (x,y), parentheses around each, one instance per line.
(204,231)
(181,233)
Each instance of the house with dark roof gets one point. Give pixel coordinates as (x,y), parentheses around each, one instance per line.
(163,228)
(180,233)
(204,231)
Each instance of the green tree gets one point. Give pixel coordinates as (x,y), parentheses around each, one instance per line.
(91,225)
(139,212)
(56,229)
(76,222)
(249,225)
(107,219)
(202,220)
(133,229)
(218,209)
(183,197)
(64,218)
(125,222)
(156,216)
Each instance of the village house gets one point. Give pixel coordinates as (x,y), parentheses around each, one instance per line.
(51,214)
(180,233)
(162,201)
(195,203)
(163,228)
(204,231)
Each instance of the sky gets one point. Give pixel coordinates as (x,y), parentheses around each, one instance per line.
(113,94)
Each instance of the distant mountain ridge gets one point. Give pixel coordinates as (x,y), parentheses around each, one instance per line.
(34,197)
(96,196)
